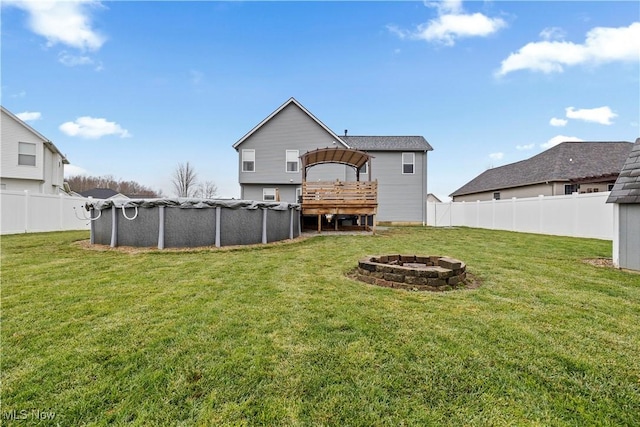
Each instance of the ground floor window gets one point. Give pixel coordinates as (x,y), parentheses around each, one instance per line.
(269,194)
(570,188)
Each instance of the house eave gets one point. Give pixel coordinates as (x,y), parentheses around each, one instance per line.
(278,110)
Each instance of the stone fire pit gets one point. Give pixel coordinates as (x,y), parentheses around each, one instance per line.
(413,272)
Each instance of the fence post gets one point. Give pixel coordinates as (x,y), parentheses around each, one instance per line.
(513,214)
(26,211)
(60,211)
(540,212)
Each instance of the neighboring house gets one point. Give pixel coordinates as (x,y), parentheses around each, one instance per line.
(103,193)
(432,198)
(269,163)
(569,167)
(626,195)
(29,160)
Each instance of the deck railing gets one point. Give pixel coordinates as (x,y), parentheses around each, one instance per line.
(340,196)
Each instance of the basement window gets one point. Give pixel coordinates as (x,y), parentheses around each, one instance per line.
(269,194)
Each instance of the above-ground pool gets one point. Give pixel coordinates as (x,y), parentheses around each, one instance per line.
(181,222)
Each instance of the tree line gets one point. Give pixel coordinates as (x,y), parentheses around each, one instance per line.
(184,179)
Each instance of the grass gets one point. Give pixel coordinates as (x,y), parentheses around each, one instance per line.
(278,335)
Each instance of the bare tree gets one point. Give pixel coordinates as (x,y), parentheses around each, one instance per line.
(184,180)
(207,190)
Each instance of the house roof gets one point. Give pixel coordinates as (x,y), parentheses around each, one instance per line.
(567,161)
(100,193)
(46,142)
(627,186)
(282,107)
(387,143)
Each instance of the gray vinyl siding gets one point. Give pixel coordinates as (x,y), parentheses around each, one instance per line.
(400,196)
(254,191)
(629,237)
(290,129)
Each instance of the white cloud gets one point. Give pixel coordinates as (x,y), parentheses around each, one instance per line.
(29,116)
(558,139)
(558,122)
(601,115)
(66,22)
(93,128)
(552,33)
(20,94)
(70,60)
(451,25)
(525,147)
(496,156)
(601,45)
(73,170)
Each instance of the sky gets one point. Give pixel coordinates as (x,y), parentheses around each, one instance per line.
(131,89)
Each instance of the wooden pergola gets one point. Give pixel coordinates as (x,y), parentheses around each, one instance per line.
(338,197)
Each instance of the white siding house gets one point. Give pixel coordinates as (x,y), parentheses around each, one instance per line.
(29,161)
(268,160)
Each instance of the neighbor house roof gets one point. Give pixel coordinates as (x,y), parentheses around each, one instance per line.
(567,161)
(46,141)
(282,107)
(627,186)
(101,193)
(387,143)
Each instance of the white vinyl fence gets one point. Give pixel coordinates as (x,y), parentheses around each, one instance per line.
(25,212)
(577,215)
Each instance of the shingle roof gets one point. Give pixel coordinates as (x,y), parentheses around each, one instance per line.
(99,193)
(387,143)
(627,186)
(567,161)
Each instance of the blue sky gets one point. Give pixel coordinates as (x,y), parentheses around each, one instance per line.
(130,89)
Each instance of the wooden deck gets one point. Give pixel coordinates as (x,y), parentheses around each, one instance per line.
(340,198)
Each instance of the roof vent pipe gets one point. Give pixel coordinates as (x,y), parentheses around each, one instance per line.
(345,132)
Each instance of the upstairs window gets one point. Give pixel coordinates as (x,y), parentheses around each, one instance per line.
(26,154)
(248,160)
(408,163)
(364,168)
(293,160)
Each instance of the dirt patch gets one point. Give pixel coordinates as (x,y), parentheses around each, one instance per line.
(599,262)
(86,244)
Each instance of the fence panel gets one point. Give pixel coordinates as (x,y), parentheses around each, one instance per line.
(25,212)
(577,215)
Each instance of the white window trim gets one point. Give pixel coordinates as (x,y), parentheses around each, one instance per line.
(243,160)
(287,161)
(298,194)
(413,163)
(34,155)
(268,192)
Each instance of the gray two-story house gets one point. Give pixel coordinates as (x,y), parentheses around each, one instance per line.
(270,168)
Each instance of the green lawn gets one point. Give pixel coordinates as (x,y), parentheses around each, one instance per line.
(278,335)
